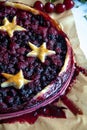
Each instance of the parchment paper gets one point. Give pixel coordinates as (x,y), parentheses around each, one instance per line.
(78,94)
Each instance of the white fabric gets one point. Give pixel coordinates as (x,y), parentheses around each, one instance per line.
(79,11)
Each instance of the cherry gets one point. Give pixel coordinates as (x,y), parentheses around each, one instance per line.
(49,7)
(69,4)
(39,5)
(60,8)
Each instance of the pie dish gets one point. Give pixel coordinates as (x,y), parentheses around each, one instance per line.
(36,60)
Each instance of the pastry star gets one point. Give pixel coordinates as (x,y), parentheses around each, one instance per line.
(10,27)
(41,52)
(16,80)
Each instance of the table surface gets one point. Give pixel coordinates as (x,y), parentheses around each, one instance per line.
(80,15)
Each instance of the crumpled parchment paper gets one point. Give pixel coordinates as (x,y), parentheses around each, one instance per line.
(78,94)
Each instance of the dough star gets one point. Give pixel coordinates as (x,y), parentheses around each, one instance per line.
(40,52)
(10,27)
(16,80)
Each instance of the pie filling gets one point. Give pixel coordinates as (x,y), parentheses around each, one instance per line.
(36,60)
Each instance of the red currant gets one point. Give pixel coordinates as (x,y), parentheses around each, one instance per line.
(69,4)
(60,8)
(38,5)
(49,7)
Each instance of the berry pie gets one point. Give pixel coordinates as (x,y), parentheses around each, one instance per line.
(36,60)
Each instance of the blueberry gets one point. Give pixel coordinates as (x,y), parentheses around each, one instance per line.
(3,106)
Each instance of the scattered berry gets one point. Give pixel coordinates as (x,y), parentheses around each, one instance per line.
(49,7)
(60,8)
(39,5)
(69,4)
